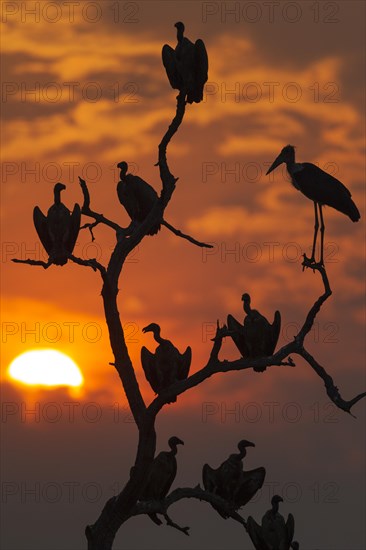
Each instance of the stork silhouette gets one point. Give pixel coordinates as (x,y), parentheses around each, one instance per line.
(321,188)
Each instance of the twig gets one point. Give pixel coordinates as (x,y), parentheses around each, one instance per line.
(171,523)
(99,218)
(331,389)
(93,263)
(45,265)
(184,236)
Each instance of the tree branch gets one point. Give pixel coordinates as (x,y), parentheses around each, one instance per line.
(45,265)
(331,389)
(184,236)
(92,262)
(161,507)
(99,218)
(167,178)
(214,365)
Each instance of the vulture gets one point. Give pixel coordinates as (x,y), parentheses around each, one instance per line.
(274,533)
(161,476)
(230,482)
(136,196)
(256,337)
(186,66)
(167,364)
(58,230)
(320,187)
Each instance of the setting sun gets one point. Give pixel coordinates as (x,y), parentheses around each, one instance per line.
(45,367)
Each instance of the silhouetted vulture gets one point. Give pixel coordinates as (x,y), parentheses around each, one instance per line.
(230,482)
(58,230)
(274,533)
(187,65)
(161,476)
(137,196)
(167,364)
(256,337)
(320,187)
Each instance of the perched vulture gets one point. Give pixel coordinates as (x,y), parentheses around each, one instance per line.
(137,196)
(230,482)
(274,533)
(186,66)
(256,337)
(161,476)
(167,364)
(58,230)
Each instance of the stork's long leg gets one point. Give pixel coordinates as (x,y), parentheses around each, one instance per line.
(322,229)
(316,227)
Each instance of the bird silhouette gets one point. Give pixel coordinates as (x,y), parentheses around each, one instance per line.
(186,66)
(231,482)
(167,364)
(320,187)
(274,533)
(137,196)
(161,475)
(256,337)
(58,230)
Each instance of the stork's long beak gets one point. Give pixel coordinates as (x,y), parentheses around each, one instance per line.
(279,160)
(180,442)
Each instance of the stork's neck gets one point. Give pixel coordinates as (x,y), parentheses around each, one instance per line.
(292,169)
(275,507)
(180,34)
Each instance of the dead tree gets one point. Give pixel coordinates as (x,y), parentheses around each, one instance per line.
(117,510)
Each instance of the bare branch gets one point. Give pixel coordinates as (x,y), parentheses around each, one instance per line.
(45,265)
(171,523)
(166,177)
(161,507)
(184,236)
(332,390)
(93,263)
(99,218)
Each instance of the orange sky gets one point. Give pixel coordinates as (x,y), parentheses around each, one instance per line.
(269,84)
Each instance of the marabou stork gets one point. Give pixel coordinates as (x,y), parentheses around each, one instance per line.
(274,533)
(161,475)
(58,230)
(321,188)
(167,364)
(256,337)
(230,482)
(186,66)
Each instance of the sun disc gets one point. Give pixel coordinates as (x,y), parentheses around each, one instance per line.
(45,367)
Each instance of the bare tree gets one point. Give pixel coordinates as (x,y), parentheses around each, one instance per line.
(117,510)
